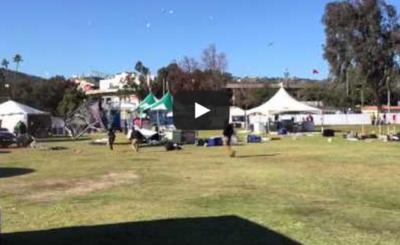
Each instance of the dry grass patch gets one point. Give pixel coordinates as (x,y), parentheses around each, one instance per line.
(51,190)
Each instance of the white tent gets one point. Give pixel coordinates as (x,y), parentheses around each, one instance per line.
(281,103)
(237,112)
(12,112)
(128,106)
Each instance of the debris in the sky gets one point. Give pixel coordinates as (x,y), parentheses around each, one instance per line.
(171,12)
(270,44)
(315,71)
(148,25)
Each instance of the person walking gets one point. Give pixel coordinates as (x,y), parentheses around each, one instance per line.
(228,133)
(373,120)
(135,138)
(111,138)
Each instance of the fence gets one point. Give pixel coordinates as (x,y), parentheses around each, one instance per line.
(333,119)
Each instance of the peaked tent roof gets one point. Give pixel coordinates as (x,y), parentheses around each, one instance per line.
(165,104)
(237,111)
(14,108)
(147,102)
(282,102)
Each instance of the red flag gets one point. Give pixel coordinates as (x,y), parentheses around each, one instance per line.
(315,71)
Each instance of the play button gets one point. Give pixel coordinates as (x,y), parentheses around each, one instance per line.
(200,110)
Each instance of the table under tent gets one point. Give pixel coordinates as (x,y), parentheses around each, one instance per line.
(133,113)
(283,113)
(145,120)
(160,110)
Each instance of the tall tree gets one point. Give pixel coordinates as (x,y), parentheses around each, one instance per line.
(17,60)
(176,78)
(73,98)
(213,60)
(215,64)
(190,75)
(363,35)
(159,85)
(139,85)
(5,63)
(189,64)
(44,95)
(143,70)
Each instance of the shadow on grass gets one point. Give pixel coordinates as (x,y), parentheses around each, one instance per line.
(122,143)
(5,152)
(57,148)
(227,230)
(13,172)
(62,139)
(258,156)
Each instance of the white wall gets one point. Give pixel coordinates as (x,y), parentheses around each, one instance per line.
(337,119)
(117,82)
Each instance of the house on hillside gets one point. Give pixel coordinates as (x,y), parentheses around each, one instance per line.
(87,83)
(109,87)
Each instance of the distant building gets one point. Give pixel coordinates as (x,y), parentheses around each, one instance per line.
(107,88)
(117,82)
(88,83)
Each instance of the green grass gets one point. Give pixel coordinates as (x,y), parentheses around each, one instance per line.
(309,190)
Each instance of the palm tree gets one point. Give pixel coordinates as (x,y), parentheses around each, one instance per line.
(5,63)
(17,59)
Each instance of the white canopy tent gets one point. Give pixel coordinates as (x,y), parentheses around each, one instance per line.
(128,106)
(282,103)
(237,112)
(12,112)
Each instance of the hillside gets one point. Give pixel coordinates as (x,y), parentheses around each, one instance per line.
(12,76)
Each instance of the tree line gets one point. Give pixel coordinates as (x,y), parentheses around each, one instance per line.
(188,74)
(61,96)
(363,49)
(56,95)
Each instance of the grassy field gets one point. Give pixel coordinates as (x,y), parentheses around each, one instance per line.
(304,191)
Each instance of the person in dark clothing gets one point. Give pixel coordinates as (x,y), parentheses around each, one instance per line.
(126,127)
(111,138)
(136,136)
(20,129)
(228,133)
(373,120)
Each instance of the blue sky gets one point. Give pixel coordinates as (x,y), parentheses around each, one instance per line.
(72,37)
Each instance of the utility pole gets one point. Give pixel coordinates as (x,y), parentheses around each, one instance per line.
(148,81)
(163,86)
(362,106)
(286,76)
(388,94)
(347,83)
